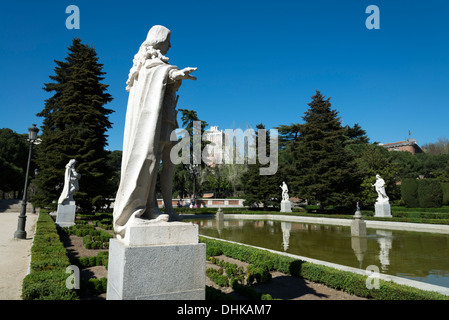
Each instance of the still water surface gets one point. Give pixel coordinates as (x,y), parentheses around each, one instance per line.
(415,255)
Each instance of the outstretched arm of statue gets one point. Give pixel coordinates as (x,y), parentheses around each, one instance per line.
(183,74)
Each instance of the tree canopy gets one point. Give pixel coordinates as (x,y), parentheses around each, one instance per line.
(74,127)
(13,160)
(321,169)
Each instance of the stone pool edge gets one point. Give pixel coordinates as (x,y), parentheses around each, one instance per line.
(390,225)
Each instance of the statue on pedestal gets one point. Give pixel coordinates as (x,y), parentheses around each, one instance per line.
(382,206)
(150,120)
(286,205)
(71,185)
(284,188)
(380,189)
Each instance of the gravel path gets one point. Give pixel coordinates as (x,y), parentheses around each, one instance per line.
(14,254)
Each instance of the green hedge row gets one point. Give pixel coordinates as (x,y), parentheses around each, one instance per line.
(349,282)
(92,238)
(216,294)
(445,188)
(99,219)
(425,193)
(47,277)
(235,276)
(94,285)
(101,259)
(216,276)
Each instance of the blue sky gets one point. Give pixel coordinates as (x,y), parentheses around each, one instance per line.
(258,61)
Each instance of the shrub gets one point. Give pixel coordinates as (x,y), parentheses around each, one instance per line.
(258,274)
(92,238)
(249,292)
(430,193)
(409,192)
(445,189)
(218,277)
(47,277)
(98,285)
(216,294)
(341,280)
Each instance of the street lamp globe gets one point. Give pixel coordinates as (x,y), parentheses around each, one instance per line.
(32,133)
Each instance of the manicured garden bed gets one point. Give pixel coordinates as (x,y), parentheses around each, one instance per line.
(349,282)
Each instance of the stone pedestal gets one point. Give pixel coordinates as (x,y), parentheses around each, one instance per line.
(359,246)
(160,261)
(65,216)
(219,215)
(382,210)
(358,228)
(286,206)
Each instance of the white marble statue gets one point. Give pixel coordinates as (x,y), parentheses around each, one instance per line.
(71,185)
(285,196)
(150,119)
(380,189)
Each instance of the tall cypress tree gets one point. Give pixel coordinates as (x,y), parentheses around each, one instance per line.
(74,127)
(322,169)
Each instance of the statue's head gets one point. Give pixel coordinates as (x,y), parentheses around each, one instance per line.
(71,162)
(159,38)
(377,176)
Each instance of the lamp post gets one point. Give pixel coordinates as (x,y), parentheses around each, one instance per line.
(194,171)
(21,233)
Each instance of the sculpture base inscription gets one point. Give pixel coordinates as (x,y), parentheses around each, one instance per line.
(158,261)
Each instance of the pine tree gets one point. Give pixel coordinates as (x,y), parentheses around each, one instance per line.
(262,189)
(321,169)
(287,134)
(74,127)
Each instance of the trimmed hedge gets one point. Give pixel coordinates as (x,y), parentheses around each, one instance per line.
(341,280)
(47,277)
(92,238)
(425,193)
(101,259)
(94,285)
(445,189)
(430,193)
(409,192)
(234,277)
(216,294)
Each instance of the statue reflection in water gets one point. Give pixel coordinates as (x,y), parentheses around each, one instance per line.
(286,227)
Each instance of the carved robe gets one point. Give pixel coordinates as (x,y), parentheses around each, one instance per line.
(150,118)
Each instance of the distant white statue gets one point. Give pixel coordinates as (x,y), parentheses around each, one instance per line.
(71,184)
(150,119)
(284,191)
(380,188)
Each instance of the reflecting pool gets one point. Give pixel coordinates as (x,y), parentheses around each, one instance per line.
(415,255)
